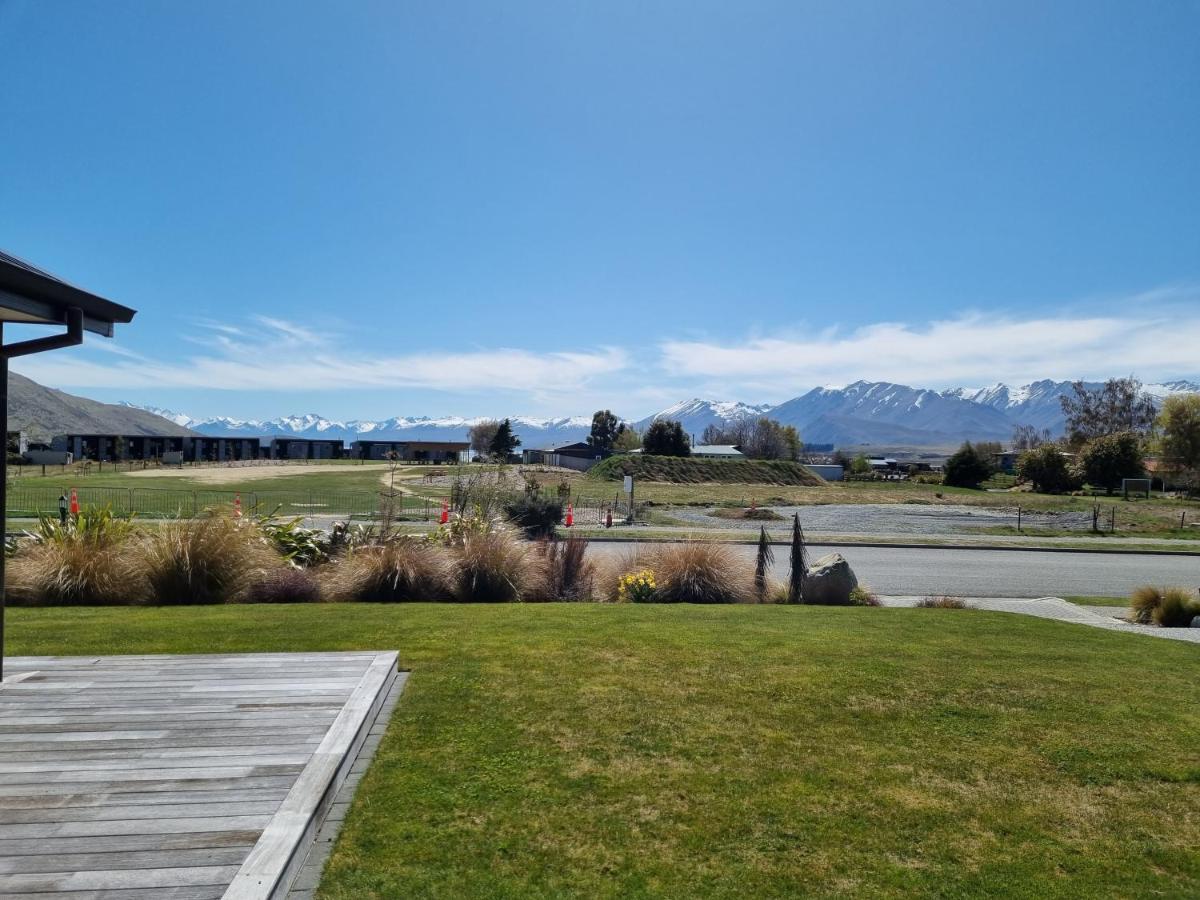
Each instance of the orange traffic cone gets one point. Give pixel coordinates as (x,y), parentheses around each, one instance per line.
(445,513)
(237,506)
(570,515)
(74,502)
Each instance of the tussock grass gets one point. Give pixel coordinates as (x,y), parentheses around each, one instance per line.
(696,572)
(492,568)
(83,562)
(565,571)
(400,571)
(74,573)
(206,560)
(1170,607)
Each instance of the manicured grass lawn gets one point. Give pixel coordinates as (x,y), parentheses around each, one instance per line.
(605,751)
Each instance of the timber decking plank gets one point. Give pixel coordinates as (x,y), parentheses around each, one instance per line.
(165,777)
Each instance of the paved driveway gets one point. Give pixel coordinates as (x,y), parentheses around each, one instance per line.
(918,571)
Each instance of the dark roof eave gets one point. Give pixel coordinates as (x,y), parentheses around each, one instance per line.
(44,297)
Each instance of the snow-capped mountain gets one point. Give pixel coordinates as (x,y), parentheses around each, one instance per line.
(534,432)
(877,413)
(695,415)
(883,413)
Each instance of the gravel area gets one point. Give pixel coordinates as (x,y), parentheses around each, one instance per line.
(893,518)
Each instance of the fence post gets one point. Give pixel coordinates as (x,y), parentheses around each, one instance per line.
(1112,521)
(1018,518)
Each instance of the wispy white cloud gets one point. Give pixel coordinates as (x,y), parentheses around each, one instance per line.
(973,349)
(290,357)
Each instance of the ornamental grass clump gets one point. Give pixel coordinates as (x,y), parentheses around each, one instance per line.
(84,562)
(491,567)
(404,570)
(211,559)
(565,571)
(699,573)
(287,584)
(1170,607)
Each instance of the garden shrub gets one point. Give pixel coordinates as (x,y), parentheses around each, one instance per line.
(861,596)
(295,543)
(942,602)
(535,516)
(399,571)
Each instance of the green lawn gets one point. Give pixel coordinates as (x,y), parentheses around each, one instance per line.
(604,751)
(1099,601)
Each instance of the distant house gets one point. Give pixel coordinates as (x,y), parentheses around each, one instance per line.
(413,451)
(168,448)
(579,455)
(883,464)
(18,443)
(718,451)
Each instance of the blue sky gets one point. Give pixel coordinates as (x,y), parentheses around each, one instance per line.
(384,208)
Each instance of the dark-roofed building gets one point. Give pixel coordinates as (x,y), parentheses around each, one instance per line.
(413,451)
(305,448)
(579,455)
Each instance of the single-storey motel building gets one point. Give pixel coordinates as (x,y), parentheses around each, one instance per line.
(173,449)
(413,451)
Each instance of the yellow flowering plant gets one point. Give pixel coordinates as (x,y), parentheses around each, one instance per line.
(637,587)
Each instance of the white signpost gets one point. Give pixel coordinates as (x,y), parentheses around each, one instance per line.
(629,491)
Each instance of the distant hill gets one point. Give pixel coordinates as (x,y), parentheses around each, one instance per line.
(43,412)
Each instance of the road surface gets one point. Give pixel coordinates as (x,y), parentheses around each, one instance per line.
(986,573)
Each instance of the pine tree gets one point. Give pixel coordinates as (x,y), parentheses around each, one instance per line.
(504,442)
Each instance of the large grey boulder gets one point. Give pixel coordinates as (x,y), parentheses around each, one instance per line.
(829,581)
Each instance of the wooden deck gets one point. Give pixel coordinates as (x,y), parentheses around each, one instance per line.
(175,776)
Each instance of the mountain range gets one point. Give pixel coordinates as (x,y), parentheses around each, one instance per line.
(871,413)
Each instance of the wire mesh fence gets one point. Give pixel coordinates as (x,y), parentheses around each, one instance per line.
(29,501)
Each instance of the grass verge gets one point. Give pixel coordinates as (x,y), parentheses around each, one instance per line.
(636,751)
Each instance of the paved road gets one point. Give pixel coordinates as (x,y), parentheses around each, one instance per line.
(990,573)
